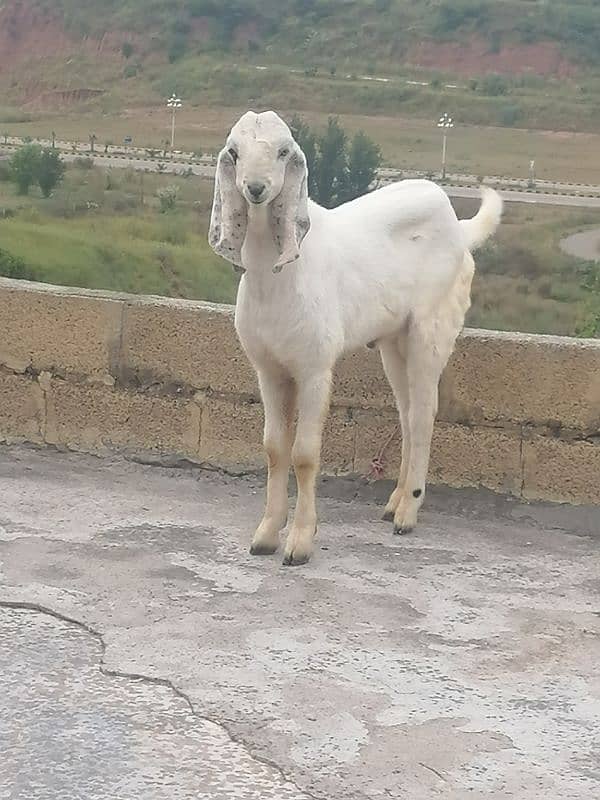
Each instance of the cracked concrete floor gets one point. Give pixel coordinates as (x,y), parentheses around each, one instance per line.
(461,661)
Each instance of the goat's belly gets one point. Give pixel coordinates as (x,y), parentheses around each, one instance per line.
(374,321)
(286,337)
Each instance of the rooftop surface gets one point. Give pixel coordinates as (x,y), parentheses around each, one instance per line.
(145,654)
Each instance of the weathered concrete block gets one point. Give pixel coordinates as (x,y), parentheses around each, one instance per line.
(374,431)
(67,333)
(22,409)
(460,456)
(337,455)
(489,457)
(186,343)
(232,432)
(359,382)
(562,471)
(545,380)
(95,418)
(232,435)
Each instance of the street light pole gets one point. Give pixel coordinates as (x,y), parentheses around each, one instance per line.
(532,173)
(173,103)
(445,123)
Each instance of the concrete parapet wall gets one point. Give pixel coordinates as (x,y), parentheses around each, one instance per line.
(99,372)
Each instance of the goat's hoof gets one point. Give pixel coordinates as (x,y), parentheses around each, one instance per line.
(299,548)
(402,530)
(388,516)
(263,548)
(293,560)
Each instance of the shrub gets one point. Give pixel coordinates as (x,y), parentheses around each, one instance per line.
(24,166)
(14,267)
(494,85)
(510,115)
(51,170)
(167,197)
(177,47)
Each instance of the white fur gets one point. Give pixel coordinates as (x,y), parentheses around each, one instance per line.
(393,267)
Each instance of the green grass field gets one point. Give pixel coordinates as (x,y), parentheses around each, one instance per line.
(105,230)
(90,236)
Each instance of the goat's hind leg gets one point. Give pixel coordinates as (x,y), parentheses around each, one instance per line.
(278,396)
(394,364)
(428,346)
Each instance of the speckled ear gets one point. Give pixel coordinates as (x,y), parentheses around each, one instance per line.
(289,211)
(229,219)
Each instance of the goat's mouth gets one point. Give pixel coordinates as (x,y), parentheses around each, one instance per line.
(256,201)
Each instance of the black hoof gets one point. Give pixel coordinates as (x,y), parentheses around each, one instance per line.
(263,549)
(401,531)
(291,561)
(388,516)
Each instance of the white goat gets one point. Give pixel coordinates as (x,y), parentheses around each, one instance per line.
(393,268)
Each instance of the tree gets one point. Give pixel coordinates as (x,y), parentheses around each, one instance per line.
(24,166)
(364,159)
(337,172)
(494,85)
(50,170)
(331,177)
(308,144)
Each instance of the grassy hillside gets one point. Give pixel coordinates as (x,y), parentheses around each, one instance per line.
(359,29)
(310,56)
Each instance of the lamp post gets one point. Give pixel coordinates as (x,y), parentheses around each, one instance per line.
(173,103)
(445,123)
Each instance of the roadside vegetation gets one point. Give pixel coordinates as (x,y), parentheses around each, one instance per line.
(138,232)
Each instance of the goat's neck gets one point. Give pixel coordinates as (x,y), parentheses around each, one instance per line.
(259,251)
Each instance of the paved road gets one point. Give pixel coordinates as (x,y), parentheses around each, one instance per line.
(208,171)
(70,732)
(584,245)
(461,661)
(526,197)
(460,185)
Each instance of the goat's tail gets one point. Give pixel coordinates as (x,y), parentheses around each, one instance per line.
(484,223)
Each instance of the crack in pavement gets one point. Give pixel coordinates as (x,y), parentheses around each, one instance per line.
(19,605)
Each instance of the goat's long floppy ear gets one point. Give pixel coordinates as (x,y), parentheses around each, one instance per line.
(290,211)
(229,218)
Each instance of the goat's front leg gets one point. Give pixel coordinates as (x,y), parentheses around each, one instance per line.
(313,402)
(278,396)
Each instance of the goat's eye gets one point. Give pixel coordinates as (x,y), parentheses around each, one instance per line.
(285,151)
(233,154)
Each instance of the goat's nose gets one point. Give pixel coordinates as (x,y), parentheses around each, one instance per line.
(256,189)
